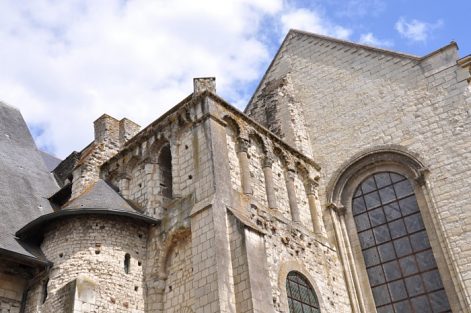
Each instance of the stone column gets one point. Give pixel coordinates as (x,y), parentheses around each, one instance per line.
(351,278)
(269,189)
(243,147)
(293,203)
(315,208)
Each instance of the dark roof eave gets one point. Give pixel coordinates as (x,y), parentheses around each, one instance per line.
(24,259)
(37,225)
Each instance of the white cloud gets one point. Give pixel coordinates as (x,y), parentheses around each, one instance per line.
(64,63)
(416,30)
(312,21)
(371,40)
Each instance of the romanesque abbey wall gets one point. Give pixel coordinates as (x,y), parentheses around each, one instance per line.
(239,209)
(209,210)
(357,100)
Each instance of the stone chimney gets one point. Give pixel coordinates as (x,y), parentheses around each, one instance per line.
(127,130)
(202,84)
(106,129)
(110,136)
(110,130)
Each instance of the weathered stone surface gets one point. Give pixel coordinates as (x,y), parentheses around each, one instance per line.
(236,206)
(356,99)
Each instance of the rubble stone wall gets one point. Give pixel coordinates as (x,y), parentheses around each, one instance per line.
(95,247)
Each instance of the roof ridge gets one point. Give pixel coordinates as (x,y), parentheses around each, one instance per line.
(344,42)
(356,44)
(3,103)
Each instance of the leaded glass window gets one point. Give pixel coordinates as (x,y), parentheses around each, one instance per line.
(399,261)
(301,295)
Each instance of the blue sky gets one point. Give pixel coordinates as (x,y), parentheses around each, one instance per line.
(64,63)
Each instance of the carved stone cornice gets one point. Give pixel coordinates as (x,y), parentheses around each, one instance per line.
(243,144)
(312,187)
(421,176)
(337,208)
(291,174)
(267,161)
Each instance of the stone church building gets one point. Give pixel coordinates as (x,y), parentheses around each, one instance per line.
(344,187)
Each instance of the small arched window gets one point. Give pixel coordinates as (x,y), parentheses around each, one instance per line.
(401,267)
(301,295)
(127,263)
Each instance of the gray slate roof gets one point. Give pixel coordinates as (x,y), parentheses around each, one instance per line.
(25,182)
(50,161)
(99,199)
(100,196)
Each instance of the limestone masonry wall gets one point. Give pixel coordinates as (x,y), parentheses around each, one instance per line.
(180,261)
(237,209)
(269,174)
(179,292)
(357,99)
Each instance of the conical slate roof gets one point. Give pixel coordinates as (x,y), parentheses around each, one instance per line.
(100,199)
(100,196)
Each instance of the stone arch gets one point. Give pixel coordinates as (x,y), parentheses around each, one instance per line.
(232,124)
(296,266)
(172,239)
(256,154)
(232,135)
(159,176)
(279,169)
(340,192)
(278,152)
(368,159)
(257,139)
(155,148)
(165,164)
(175,267)
(131,164)
(301,182)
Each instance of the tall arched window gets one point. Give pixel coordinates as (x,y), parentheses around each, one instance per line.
(301,295)
(399,261)
(165,165)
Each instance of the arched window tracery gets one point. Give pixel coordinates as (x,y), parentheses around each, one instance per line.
(301,296)
(400,264)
